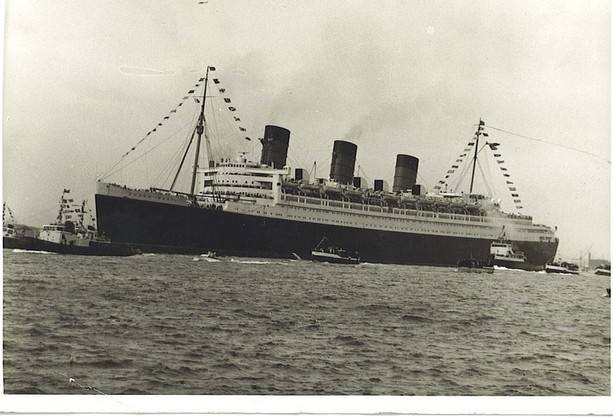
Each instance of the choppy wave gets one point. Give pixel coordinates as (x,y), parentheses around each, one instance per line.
(264,326)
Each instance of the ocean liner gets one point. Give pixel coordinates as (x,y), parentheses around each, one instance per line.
(241,207)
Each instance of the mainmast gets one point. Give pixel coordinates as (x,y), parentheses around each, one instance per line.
(477,134)
(200,130)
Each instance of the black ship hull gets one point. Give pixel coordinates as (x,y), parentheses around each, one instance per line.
(95,248)
(167,228)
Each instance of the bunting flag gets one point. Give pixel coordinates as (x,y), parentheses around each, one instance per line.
(451,171)
(228,100)
(517,201)
(196,100)
(454,166)
(471,143)
(201,79)
(166,117)
(514,195)
(497,155)
(503,169)
(190,92)
(512,189)
(509,182)
(500,161)
(173,111)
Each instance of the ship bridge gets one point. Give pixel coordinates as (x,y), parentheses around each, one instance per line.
(243,180)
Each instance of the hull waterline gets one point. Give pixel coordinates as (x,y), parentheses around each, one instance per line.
(168,228)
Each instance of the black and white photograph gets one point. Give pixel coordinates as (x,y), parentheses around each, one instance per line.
(239,203)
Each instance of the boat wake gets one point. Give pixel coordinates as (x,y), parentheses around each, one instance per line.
(204,258)
(238,261)
(44,252)
(503,268)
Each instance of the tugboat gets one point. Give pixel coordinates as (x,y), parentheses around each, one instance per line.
(504,255)
(604,269)
(562,268)
(326,252)
(475,265)
(15,236)
(70,235)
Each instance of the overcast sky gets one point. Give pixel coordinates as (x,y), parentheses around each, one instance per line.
(85,80)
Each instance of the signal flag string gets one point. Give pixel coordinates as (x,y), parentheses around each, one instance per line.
(190,93)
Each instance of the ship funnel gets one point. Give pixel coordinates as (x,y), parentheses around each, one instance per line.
(274,146)
(343,161)
(405,174)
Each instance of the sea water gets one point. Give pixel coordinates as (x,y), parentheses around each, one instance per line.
(171,324)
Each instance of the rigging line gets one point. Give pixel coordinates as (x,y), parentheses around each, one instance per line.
(465,169)
(150,149)
(423,180)
(467,165)
(172,135)
(169,167)
(147,136)
(489,190)
(174,181)
(176,156)
(551,143)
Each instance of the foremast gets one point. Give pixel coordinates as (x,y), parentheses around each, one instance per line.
(199,132)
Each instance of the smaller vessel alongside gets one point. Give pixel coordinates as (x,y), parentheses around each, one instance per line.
(475,265)
(69,234)
(15,236)
(326,252)
(562,268)
(604,269)
(504,255)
